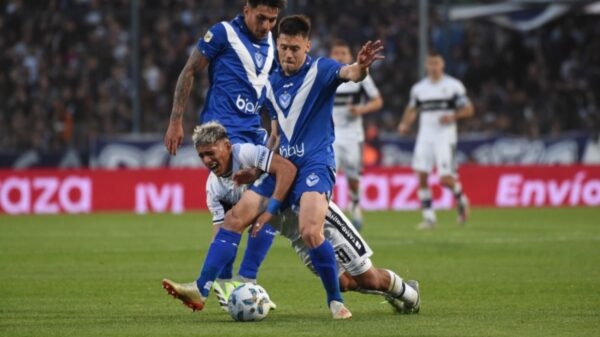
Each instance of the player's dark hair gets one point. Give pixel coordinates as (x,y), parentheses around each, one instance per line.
(295,25)
(279,4)
(340,43)
(434,53)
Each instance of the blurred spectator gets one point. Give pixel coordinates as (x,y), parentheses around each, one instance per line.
(65,66)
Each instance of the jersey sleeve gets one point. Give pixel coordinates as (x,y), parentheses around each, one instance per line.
(212,202)
(369,87)
(329,72)
(412,100)
(258,156)
(460,95)
(213,42)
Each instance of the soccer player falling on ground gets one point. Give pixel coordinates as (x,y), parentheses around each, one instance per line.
(239,55)
(355,269)
(441,101)
(352,101)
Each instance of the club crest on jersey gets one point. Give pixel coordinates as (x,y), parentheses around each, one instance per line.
(285,99)
(312,180)
(208,36)
(259,58)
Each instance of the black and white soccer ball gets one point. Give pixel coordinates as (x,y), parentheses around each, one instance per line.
(249,302)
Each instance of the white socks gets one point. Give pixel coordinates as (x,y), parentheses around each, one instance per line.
(401,290)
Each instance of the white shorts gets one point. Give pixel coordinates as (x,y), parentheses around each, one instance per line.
(440,154)
(349,157)
(351,251)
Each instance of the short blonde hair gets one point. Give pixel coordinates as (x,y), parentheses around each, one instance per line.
(208,133)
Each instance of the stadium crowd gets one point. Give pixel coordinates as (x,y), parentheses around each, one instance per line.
(65,66)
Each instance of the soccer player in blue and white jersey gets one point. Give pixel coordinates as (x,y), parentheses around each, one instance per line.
(300,96)
(239,55)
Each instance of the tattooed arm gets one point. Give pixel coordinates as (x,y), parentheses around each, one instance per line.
(174,136)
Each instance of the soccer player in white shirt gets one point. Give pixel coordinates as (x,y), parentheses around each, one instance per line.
(355,269)
(440,100)
(352,101)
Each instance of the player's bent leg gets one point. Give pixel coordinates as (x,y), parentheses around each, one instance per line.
(222,250)
(313,207)
(244,212)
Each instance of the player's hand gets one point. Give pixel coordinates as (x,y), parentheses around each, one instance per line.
(447,119)
(403,129)
(174,137)
(264,218)
(369,53)
(355,110)
(246,176)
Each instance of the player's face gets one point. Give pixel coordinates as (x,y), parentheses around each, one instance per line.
(216,157)
(260,19)
(434,66)
(341,54)
(292,50)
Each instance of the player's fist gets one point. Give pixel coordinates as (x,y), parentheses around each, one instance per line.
(403,129)
(246,176)
(369,53)
(447,119)
(174,137)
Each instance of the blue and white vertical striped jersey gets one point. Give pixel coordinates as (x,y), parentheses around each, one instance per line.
(238,71)
(303,106)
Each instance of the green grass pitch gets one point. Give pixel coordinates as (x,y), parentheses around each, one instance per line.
(509,272)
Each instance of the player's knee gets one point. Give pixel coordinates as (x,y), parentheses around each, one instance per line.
(233,222)
(312,236)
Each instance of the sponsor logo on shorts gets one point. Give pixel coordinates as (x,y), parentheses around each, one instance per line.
(312,180)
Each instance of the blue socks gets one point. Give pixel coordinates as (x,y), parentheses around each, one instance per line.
(227,271)
(323,259)
(257,249)
(222,250)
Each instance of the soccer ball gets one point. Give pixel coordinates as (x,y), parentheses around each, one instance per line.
(249,302)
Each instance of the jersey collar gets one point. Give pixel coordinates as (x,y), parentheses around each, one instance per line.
(307,63)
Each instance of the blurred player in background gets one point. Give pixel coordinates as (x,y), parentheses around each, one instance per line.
(352,100)
(239,55)
(441,101)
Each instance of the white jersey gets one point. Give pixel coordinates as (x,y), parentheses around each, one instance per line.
(433,100)
(221,192)
(348,127)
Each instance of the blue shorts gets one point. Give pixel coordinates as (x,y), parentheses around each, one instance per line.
(256,137)
(312,178)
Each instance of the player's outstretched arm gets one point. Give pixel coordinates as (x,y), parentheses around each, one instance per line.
(368,54)
(185,82)
(410,114)
(285,174)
